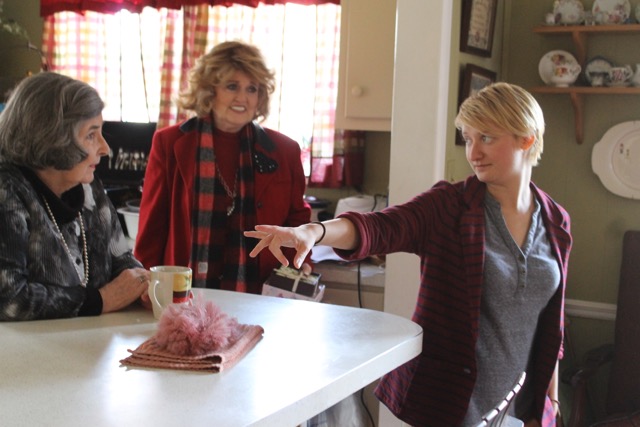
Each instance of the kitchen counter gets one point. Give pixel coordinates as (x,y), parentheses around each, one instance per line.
(341,288)
(67,372)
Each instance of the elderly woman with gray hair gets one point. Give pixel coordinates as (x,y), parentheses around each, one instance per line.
(62,250)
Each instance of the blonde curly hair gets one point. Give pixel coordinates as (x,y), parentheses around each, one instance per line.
(216,67)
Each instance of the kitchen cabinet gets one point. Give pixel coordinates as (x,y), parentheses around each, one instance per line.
(580,35)
(367,43)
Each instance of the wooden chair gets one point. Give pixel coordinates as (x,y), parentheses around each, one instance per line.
(623,390)
(498,416)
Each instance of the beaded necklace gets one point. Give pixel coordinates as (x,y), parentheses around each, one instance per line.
(85,252)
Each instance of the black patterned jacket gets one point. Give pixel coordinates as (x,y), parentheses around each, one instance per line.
(37,277)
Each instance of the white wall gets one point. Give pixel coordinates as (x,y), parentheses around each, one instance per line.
(418,131)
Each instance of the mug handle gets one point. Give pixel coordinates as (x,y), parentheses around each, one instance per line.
(152,293)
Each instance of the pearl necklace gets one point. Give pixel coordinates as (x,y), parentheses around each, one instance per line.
(85,253)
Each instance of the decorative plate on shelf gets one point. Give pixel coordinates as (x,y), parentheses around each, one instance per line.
(597,64)
(611,11)
(616,159)
(551,59)
(569,11)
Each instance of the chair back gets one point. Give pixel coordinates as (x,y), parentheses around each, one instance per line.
(623,393)
(498,416)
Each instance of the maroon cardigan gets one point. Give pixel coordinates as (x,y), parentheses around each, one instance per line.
(164,231)
(445,227)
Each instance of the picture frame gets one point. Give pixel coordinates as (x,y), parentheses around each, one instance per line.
(477,28)
(473,79)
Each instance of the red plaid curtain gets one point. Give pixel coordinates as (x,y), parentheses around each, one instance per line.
(49,7)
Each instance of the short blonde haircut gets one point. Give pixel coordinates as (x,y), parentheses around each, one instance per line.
(506,107)
(216,67)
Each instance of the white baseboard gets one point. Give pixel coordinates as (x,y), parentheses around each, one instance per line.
(589,309)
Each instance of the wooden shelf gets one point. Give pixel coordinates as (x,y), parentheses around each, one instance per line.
(576,93)
(588,90)
(579,34)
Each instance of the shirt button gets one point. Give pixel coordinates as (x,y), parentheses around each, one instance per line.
(259,205)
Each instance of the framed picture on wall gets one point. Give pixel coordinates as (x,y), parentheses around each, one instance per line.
(473,79)
(478,23)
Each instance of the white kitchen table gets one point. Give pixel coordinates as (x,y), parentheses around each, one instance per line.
(312,355)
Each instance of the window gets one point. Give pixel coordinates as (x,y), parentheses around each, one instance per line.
(138,61)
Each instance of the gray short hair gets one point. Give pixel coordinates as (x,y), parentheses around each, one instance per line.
(40,122)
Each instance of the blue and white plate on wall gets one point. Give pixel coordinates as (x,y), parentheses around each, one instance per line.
(616,159)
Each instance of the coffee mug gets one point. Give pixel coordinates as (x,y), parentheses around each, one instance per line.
(169,285)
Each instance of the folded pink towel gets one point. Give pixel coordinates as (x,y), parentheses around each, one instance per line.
(197,336)
(150,355)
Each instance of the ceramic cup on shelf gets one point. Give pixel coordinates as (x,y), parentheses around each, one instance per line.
(565,74)
(589,18)
(550,18)
(601,17)
(597,78)
(635,80)
(169,285)
(619,76)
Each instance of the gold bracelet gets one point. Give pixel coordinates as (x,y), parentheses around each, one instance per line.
(324,230)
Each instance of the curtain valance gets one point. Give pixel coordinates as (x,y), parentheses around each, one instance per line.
(48,7)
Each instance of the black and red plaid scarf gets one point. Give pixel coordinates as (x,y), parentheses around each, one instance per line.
(219,254)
